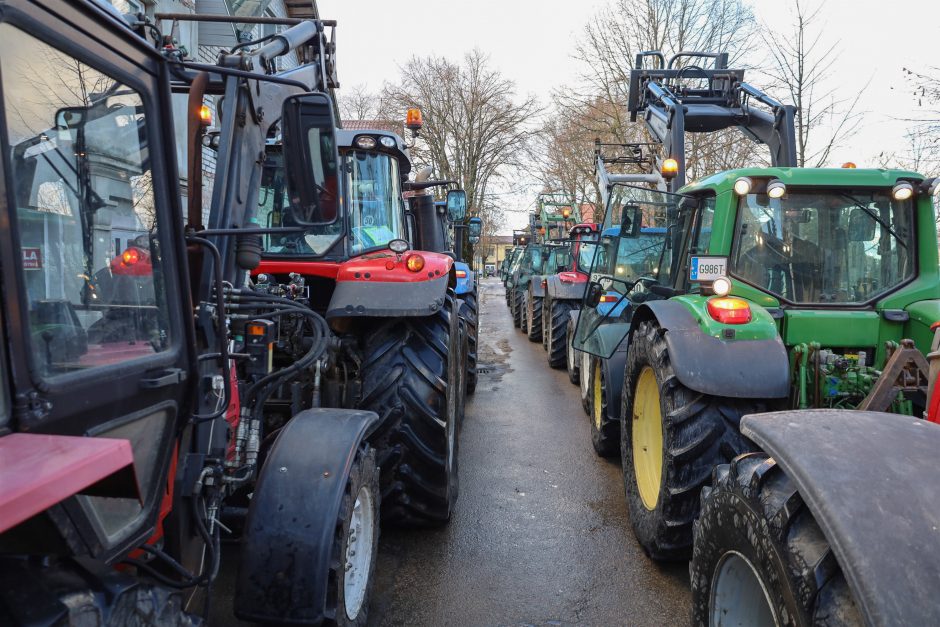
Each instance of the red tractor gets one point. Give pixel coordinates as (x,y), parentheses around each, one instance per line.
(392,311)
(564,292)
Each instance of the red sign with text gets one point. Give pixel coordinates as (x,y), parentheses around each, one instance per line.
(32,258)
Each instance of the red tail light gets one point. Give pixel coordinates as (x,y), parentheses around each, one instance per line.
(610,298)
(544,283)
(461,274)
(729,310)
(130,257)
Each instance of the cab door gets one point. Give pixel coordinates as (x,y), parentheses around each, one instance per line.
(91,249)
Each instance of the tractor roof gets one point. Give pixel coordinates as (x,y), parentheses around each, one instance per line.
(345,139)
(828,177)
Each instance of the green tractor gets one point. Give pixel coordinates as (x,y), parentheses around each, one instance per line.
(555,255)
(528,264)
(777,288)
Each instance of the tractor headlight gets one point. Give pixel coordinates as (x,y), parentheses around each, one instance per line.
(902,191)
(776,188)
(742,186)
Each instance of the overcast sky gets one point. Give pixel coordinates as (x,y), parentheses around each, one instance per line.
(531,42)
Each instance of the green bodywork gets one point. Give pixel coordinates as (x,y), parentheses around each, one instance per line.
(551,216)
(906,309)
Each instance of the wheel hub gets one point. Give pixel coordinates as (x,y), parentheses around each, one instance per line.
(647,438)
(358,553)
(738,595)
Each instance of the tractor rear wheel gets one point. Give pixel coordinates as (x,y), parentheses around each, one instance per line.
(534,318)
(558,333)
(671,438)
(469,311)
(572,358)
(760,557)
(355,544)
(605,429)
(524,324)
(411,378)
(516,308)
(546,314)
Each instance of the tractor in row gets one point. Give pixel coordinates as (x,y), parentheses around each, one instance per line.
(788,309)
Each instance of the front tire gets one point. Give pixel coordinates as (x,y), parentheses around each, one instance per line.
(469,311)
(558,333)
(534,318)
(605,429)
(760,557)
(671,438)
(411,378)
(355,544)
(572,358)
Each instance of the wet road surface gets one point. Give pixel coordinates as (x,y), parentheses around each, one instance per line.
(541,534)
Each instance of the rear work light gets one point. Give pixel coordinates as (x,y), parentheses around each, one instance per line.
(729,310)
(130,257)
(415,263)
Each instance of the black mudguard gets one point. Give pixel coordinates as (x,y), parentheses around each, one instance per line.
(706,364)
(387,300)
(285,555)
(535,286)
(613,371)
(866,477)
(560,290)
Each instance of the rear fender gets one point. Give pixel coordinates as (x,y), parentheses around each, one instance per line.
(614,368)
(380,285)
(535,286)
(463,285)
(557,289)
(731,369)
(288,538)
(865,477)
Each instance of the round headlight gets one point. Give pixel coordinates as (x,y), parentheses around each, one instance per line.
(776,189)
(387,141)
(721,286)
(902,191)
(365,142)
(742,186)
(398,246)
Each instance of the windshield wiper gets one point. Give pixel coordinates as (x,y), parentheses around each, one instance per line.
(876,218)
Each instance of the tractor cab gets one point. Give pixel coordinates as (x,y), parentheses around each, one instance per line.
(363,188)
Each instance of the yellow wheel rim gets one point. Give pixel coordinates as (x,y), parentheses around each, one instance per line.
(598,396)
(647,438)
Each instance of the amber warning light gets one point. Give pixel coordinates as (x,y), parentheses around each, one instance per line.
(413,119)
(205,115)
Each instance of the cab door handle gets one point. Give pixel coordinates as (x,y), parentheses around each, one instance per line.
(172,376)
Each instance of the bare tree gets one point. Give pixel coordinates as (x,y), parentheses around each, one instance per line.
(475,128)
(597,105)
(800,62)
(358,103)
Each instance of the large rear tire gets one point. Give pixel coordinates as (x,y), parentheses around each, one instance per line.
(516,308)
(534,318)
(411,378)
(605,429)
(760,557)
(572,356)
(558,333)
(671,440)
(469,311)
(355,544)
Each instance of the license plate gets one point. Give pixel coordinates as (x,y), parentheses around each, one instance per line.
(707,268)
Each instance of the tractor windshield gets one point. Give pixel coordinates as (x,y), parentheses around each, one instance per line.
(838,246)
(274,210)
(375,202)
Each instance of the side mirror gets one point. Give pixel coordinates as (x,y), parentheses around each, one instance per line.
(456,205)
(594,293)
(474,239)
(631,218)
(475,226)
(311,157)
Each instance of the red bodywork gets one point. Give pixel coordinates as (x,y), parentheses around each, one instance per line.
(383,266)
(40,470)
(579,275)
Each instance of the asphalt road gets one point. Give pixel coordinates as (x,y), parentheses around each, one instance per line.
(541,534)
